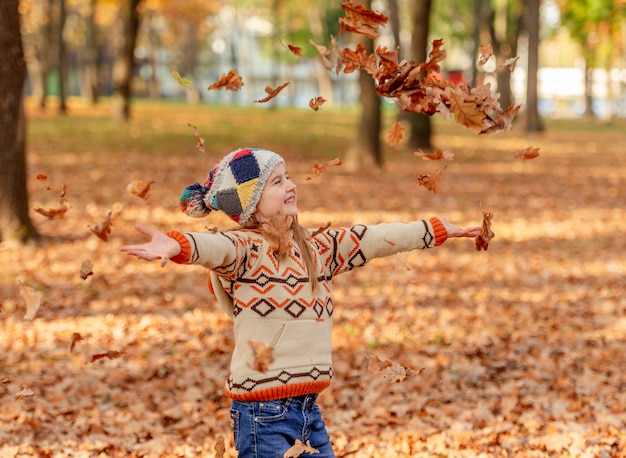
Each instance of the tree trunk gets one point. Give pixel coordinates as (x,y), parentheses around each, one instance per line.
(15,223)
(366,147)
(124,64)
(533,121)
(420,125)
(62,60)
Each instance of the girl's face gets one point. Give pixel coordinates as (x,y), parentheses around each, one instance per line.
(279,195)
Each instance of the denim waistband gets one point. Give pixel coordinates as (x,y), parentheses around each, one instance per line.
(305,400)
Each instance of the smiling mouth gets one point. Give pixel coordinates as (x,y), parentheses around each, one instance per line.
(291,200)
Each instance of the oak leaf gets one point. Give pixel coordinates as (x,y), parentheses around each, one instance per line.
(230,81)
(510,62)
(485,52)
(103,229)
(361,20)
(398,373)
(199,139)
(375,364)
(324,52)
(486,234)
(465,109)
(319,169)
(316,102)
(430,182)
(139,188)
(271,92)
(263,355)
(295,50)
(435,155)
(86,269)
(111,354)
(395,133)
(358,59)
(299,448)
(52,213)
(33,299)
(527,153)
(187,84)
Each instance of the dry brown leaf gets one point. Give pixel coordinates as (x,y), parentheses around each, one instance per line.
(263,355)
(510,62)
(33,299)
(52,213)
(361,20)
(220,447)
(295,50)
(299,448)
(76,337)
(230,81)
(395,133)
(199,139)
(375,364)
(324,52)
(321,229)
(431,182)
(435,155)
(358,59)
(111,354)
(139,188)
(86,269)
(103,229)
(486,234)
(398,373)
(25,392)
(527,153)
(485,51)
(316,102)
(319,169)
(279,233)
(271,92)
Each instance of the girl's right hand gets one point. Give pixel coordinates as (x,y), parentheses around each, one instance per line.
(160,246)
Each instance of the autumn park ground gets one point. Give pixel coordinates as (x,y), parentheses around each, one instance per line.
(523,346)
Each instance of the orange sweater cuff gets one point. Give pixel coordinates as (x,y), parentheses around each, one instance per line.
(441,234)
(185,247)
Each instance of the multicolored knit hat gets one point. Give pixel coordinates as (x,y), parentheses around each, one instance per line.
(233,186)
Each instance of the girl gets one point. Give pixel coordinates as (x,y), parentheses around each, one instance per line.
(273,277)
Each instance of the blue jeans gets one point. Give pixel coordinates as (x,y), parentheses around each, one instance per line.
(267,429)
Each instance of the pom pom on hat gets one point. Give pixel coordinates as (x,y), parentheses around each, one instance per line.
(234,185)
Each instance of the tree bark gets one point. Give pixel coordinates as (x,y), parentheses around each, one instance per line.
(420,125)
(125,62)
(533,121)
(15,223)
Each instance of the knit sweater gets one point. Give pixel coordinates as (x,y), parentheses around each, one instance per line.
(271,301)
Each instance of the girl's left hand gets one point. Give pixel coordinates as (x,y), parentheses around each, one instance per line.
(457,231)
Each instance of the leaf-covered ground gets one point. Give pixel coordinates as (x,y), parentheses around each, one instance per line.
(523,347)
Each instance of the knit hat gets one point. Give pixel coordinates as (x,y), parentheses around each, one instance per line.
(234,185)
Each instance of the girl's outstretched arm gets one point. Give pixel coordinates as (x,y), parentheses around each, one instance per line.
(160,246)
(456,231)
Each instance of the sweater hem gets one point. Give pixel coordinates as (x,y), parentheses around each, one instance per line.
(279,392)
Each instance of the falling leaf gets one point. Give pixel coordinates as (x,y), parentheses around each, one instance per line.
(485,52)
(33,299)
(52,213)
(294,49)
(316,102)
(199,139)
(527,153)
(187,84)
(361,20)
(358,59)
(395,133)
(430,182)
(86,269)
(76,337)
(111,354)
(299,448)
(486,234)
(279,232)
(319,169)
(321,229)
(25,392)
(41,177)
(436,155)
(324,52)
(375,364)
(271,93)
(510,62)
(140,188)
(103,229)
(398,373)
(263,355)
(230,81)
(220,447)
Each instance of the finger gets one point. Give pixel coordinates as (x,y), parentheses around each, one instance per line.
(163,261)
(144,230)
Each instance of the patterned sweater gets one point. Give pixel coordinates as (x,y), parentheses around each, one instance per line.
(271,301)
